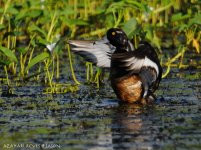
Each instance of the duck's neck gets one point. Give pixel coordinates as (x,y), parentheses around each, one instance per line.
(118,50)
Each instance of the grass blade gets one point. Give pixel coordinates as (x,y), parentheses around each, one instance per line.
(8,53)
(37,59)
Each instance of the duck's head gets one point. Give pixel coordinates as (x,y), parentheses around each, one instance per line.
(117,38)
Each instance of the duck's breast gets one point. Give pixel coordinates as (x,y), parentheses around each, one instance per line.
(128,89)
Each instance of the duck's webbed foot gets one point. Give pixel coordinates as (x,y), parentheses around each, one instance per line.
(148,99)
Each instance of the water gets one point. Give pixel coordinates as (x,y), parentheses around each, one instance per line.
(94,119)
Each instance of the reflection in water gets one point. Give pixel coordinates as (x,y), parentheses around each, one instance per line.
(127,128)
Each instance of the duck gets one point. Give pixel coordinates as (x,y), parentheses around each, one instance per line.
(135,74)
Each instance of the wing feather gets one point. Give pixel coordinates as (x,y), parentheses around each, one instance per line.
(97,52)
(129,61)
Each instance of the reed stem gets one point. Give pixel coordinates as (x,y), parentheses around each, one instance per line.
(71,66)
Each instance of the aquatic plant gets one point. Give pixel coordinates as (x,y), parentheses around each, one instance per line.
(30,28)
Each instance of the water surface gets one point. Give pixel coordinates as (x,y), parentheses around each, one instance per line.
(94,119)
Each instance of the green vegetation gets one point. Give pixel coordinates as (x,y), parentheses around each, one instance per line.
(28,28)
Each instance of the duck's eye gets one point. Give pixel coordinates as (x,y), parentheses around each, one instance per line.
(113,33)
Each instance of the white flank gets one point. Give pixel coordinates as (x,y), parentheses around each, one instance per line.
(149,63)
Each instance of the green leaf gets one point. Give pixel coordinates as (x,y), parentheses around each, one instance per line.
(138,5)
(121,5)
(15,33)
(130,27)
(37,59)
(8,53)
(33,42)
(23,50)
(42,41)
(21,15)
(4,62)
(179,16)
(34,13)
(2,27)
(35,28)
(12,10)
(182,27)
(71,22)
(68,11)
(149,32)
(1,10)
(37,3)
(195,20)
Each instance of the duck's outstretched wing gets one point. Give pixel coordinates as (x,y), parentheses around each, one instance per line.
(97,52)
